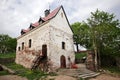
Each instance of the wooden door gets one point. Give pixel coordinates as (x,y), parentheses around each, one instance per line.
(63,61)
(44,51)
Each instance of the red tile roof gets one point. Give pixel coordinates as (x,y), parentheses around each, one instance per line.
(35,24)
(24,30)
(50,16)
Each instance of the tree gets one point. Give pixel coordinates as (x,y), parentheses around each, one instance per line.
(81,34)
(100,33)
(7,44)
(105,34)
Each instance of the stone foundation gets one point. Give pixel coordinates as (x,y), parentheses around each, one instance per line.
(90,63)
(26,57)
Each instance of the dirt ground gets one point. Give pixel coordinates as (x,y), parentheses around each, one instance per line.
(105,77)
(12,77)
(60,77)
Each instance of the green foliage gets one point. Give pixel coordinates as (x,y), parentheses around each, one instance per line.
(7,44)
(9,55)
(80,55)
(81,32)
(3,73)
(113,69)
(21,71)
(105,32)
(31,75)
(101,33)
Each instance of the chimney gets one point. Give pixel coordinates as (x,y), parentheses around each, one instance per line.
(47,12)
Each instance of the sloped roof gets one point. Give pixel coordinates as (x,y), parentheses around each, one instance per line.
(24,30)
(35,24)
(50,16)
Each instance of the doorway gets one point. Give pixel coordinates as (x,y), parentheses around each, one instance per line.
(63,61)
(44,51)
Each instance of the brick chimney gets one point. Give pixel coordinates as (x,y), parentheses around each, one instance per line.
(47,12)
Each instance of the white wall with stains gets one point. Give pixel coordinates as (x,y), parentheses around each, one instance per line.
(51,33)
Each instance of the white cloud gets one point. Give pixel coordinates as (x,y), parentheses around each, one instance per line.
(18,14)
(84,7)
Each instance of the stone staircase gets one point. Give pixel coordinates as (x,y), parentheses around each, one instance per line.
(81,72)
(88,75)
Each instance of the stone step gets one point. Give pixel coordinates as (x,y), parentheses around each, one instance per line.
(85,74)
(78,73)
(89,75)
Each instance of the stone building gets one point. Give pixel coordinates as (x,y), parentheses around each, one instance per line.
(51,36)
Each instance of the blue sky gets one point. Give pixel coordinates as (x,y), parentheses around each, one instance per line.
(18,14)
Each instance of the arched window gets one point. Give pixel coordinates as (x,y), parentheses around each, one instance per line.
(22,45)
(63,45)
(30,43)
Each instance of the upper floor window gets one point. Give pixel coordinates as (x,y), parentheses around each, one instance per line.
(30,43)
(63,45)
(22,45)
(19,48)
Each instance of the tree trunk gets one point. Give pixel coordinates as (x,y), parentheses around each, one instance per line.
(99,58)
(77,47)
(96,58)
(95,50)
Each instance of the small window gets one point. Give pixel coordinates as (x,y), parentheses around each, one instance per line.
(30,42)
(62,15)
(63,45)
(19,48)
(22,45)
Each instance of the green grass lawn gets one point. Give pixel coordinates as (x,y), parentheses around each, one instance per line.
(80,55)
(7,55)
(3,73)
(29,74)
(20,70)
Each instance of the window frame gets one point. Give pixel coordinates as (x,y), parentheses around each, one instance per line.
(19,48)
(30,43)
(63,45)
(22,45)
